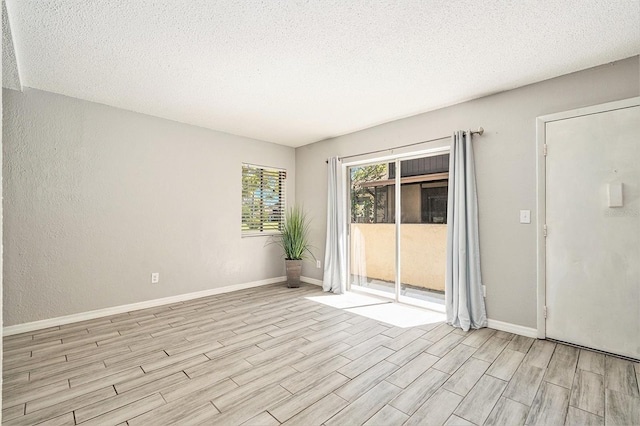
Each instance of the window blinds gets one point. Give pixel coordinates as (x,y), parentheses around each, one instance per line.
(263,199)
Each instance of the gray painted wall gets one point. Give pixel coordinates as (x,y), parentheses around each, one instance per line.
(505,167)
(97,198)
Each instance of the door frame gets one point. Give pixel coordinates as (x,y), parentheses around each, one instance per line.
(541,209)
(397,158)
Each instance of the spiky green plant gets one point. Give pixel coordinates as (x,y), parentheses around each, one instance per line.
(294,238)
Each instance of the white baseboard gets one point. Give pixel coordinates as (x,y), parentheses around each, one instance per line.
(513,328)
(311,281)
(83,316)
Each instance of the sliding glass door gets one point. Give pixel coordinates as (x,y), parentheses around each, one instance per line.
(423,230)
(397,228)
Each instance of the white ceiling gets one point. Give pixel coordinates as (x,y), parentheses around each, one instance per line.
(296,71)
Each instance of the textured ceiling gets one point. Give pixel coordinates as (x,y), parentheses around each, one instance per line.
(295,72)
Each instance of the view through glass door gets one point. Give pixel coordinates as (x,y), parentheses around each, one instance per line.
(404,261)
(372,230)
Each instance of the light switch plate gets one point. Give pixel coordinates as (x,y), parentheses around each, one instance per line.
(615,195)
(525,216)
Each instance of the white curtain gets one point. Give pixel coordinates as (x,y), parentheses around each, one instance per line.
(335,253)
(463,283)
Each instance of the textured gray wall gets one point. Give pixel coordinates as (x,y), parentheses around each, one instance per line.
(96,198)
(505,167)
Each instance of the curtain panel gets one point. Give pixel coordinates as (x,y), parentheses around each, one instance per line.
(463,282)
(335,255)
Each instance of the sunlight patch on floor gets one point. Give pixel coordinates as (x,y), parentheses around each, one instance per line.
(348,300)
(399,315)
(382,310)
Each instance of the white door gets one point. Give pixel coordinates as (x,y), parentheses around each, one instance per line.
(593,249)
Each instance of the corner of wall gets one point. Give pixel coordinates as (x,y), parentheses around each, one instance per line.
(1,235)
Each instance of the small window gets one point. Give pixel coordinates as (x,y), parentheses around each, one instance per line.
(263,202)
(434,202)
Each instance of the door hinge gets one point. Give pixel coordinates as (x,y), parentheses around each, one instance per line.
(544,229)
(544,311)
(544,149)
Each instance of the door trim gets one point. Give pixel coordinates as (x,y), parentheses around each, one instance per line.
(541,175)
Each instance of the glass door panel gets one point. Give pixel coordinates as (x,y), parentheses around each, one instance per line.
(372,231)
(423,230)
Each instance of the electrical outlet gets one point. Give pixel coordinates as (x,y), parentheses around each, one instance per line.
(155,277)
(318,264)
(484,291)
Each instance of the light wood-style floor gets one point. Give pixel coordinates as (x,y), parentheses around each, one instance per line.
(267,355)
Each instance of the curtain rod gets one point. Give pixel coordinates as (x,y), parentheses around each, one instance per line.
(480,131)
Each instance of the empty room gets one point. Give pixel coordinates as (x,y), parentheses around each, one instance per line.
(320,212)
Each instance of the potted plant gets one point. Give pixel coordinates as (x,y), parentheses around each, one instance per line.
(294,240)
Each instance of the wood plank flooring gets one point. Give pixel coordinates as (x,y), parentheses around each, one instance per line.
(269,356)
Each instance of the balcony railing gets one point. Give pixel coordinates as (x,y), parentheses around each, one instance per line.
(423,253)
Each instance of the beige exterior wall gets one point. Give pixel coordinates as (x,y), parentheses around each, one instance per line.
(423,253)
(411,203)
